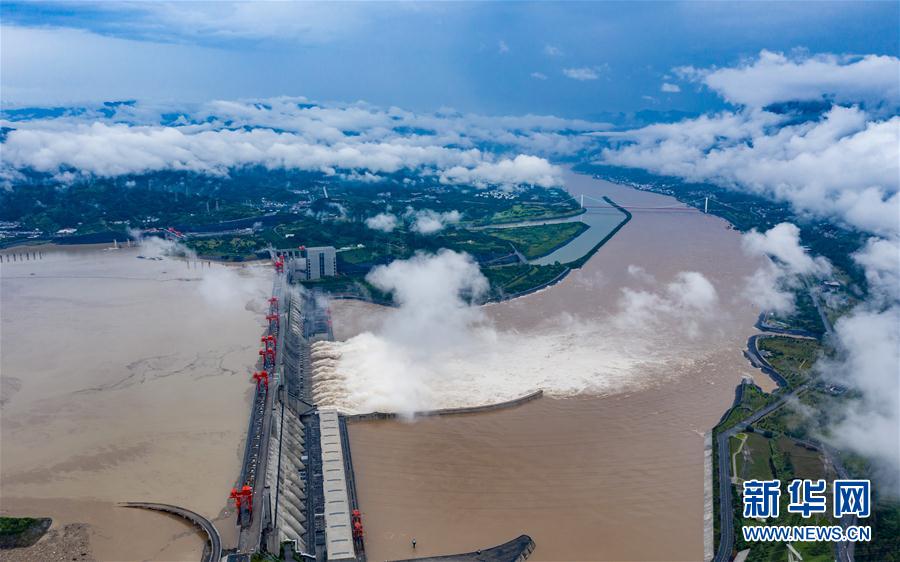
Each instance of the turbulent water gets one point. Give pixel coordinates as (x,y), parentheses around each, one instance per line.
(639,358)
(126,379)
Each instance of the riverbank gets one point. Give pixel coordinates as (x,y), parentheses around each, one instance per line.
(21,532)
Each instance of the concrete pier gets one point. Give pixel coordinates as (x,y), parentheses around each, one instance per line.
(516,550)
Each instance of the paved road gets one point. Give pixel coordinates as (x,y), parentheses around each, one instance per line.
(843,551)
(214,554)
(814,294)
(726,519)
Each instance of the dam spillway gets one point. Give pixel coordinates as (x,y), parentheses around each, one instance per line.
(309,474)
(312,508)
(294,496)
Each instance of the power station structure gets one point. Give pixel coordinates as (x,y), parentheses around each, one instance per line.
(296,495)
(307,264)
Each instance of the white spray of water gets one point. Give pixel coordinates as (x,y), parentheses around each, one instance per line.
(436,350)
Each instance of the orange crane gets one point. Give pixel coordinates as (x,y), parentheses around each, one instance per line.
(261,377)
(358,533)
(242,498)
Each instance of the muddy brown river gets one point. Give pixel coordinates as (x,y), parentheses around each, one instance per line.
(126,379)
(612,475)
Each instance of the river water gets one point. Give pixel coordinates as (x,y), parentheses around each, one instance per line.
(126,379)
(610,468)
(599,216)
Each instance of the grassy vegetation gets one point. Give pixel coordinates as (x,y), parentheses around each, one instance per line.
(530,211)
(752,399)
(753,461)
(793,358)
(537,241)
(885,518)
(781,458)
(818,410)
(16,525)
(514,279)
(19,532)
(885,543)
(805,316)
(227,248)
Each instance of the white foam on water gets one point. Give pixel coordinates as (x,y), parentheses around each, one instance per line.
(435,351)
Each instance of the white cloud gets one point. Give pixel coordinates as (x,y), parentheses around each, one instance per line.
(670,88)
(520,170)
(782,242)
(502,47)
(385,222)
(880,259)
(581,73)
(427,221)
(867,341)
(842,167)
(689,298)
(358,140)
(774,77)
(770,287)
(538,75)
(552,51)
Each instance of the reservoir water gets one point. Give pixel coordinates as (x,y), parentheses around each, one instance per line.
(126,379)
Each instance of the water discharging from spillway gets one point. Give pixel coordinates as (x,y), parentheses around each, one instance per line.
(609,464)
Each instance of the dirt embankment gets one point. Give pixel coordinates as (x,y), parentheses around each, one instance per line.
(39,542)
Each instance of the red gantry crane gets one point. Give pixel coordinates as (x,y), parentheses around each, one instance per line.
(261,378)
(242,498)
(358,533)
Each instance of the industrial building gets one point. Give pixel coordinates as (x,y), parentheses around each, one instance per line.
(309,264)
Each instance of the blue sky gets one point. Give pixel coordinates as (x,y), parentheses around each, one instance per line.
(491,58)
